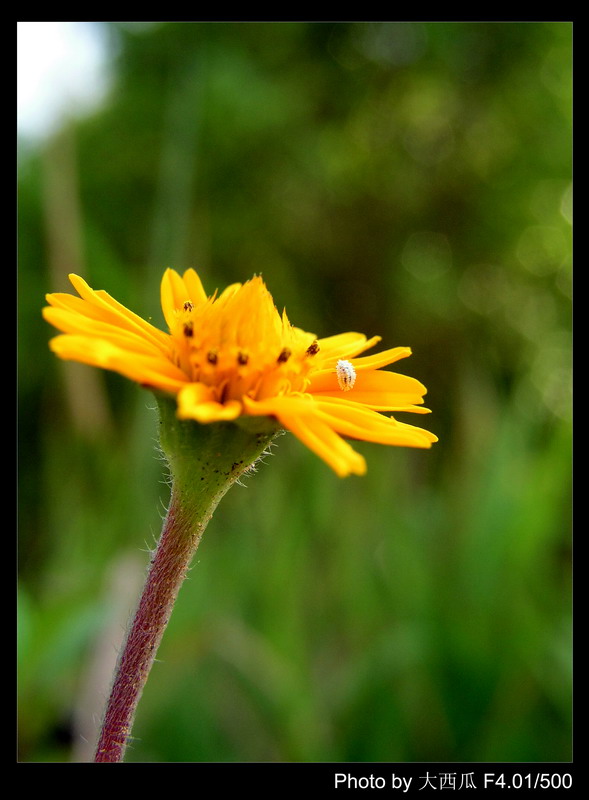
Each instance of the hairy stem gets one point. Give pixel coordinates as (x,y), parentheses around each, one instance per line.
(204,461)
(169,565)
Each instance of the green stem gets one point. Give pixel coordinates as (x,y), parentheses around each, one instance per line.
(205,460)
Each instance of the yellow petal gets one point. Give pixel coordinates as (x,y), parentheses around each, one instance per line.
(325,442)
(197,401)
(145,370)
(279,405)
(367,425)
(196,292)
(101,305)
(133,321)
(299,415)
(345,345)
(173,295)
(375,388)
(229,291)
(73,323)
(382,359)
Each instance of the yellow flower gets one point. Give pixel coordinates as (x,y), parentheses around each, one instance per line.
(233,356)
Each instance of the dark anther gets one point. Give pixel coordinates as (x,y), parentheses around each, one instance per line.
(285,354)
(313,348)
(242,358)
(212,357)
(188,306)
(188,329)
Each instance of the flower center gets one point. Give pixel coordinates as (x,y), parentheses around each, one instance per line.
(238,344)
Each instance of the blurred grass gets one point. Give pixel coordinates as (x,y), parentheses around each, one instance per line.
(406,179)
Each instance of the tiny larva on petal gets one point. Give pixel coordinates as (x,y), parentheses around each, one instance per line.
(346,375)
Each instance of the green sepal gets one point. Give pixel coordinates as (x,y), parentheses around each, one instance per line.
(205,460)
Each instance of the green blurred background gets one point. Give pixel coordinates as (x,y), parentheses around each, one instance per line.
(411,180)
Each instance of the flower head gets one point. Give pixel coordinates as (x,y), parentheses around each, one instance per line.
(233,357)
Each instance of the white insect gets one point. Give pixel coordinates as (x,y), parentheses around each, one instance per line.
(346,375)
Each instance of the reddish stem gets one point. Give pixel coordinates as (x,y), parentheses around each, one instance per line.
(179,540)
